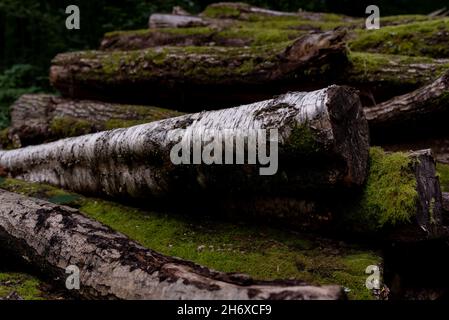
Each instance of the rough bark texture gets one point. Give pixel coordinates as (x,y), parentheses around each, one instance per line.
(323,144)
(215,76)
(114,267)
(414,115)
(39,118)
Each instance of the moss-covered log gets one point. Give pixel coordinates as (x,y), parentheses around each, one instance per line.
(232,36)
(427,38)
(409,35)
(192,77)
(381,77)
(225,76)
(114,267)
(323,145)
(413,116)
(39,118)
(402,196)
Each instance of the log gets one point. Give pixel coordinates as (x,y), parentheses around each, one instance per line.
(39,118)
(402,198)
(231,36)
(412,116)
(214,76)
(323,145)
(221,77)
(160,20)
(244,11)
(423,38)
(381,77)
(112,266)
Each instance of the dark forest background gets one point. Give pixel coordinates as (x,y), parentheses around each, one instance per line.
(32,32)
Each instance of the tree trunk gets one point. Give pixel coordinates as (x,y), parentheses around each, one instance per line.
(412,116)
(185,76)
(114,267)
(39,118)
(323,145)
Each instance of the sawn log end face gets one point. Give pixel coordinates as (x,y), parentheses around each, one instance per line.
(351,132)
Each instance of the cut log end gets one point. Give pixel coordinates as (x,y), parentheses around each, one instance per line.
(351,131)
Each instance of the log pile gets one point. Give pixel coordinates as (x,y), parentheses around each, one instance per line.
(317,85)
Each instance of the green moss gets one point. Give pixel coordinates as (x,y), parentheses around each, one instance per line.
(222,11)
(443,174)
(5,142)
(427,38)
(390,195)
(395,69)
(26,286)
(261,252)
(70,127)
(302,140)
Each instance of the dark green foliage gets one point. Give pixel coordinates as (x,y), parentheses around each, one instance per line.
(15,81)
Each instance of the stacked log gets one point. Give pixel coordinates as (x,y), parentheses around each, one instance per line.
(194,77)
(323,132)
(39,118)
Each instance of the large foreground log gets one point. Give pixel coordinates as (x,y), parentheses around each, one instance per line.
(184,76)
(323,145)
(39,118)
(114,267)
(415,115)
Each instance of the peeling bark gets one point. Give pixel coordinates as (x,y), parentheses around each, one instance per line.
(214,76)
(39,118)
(323,145)
(114,267)
(412,116)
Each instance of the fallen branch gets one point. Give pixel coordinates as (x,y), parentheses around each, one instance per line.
(112,266)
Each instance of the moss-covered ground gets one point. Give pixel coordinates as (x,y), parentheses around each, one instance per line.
(262,252)
(25,286)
